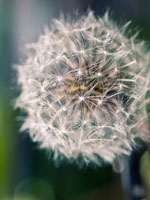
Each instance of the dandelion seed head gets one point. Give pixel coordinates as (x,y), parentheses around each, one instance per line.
(83,86)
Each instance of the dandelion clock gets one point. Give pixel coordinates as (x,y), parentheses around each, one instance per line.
(83,86)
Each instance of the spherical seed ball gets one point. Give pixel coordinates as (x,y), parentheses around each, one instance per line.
(83,86)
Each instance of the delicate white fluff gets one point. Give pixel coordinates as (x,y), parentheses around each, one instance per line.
(83,86)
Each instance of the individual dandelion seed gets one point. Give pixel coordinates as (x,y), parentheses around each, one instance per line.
(83,86)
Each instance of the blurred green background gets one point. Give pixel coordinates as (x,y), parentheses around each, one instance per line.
(25,172)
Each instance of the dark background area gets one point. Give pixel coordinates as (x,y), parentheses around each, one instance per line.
(25,172)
